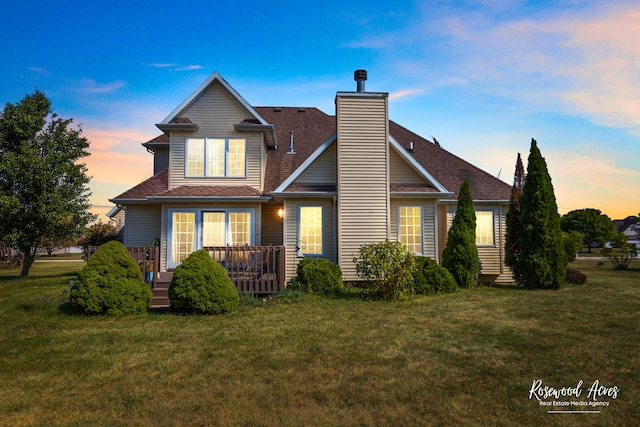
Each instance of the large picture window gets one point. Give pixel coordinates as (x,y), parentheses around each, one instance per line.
(410,227)
(192,229)
(484,228)
(310,230)
(216,157)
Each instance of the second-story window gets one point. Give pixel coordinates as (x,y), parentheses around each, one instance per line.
(216,157)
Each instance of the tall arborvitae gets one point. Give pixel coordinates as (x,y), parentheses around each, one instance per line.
(513,216)
(541,257)
(460,256)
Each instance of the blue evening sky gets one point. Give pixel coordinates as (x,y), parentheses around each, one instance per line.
(482,76)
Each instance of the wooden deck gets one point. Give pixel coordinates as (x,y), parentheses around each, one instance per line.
(258,270)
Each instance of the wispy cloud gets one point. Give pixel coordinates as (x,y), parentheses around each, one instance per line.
(189,68)
(39,70)
(91,86)
(172,66)
(577,61)
(160,64)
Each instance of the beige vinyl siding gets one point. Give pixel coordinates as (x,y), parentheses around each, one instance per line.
(272,224)
(215,112)
(160,160)
(428,223)
(322,170)
(363,185)
(400,172)
(142,224)
(291,229)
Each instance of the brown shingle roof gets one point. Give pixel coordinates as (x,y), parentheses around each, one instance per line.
(449,169)
(211,191)
(311,128)
(153,186)
(164,138)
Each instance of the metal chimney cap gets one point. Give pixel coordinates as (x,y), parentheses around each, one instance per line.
(360,75)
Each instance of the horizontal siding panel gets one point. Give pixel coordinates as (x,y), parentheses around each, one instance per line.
(363,187)
(142,224)
(160,160)
(323,170)
(401,172)
(291,230)
(215,112)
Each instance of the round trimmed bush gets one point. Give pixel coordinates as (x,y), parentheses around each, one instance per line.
(110,283)
(429,277)
(200,285)
(319,275)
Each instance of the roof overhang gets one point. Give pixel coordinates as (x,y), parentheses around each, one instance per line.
(114,211)
(268,130)
(209,199)
(419,194)
(304,194)
(129,201)
(477,202)
(187,127)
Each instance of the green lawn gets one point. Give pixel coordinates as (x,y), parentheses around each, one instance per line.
(468,358)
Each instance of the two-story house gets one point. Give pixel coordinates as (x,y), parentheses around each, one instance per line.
(228,174)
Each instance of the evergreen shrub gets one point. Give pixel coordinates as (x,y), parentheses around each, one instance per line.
(319,275)
(200,285)
(460,255)
(429,277)
(542,258)
(110,283)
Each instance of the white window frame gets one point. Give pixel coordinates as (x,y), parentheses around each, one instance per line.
(421,226)
(493,227)
(300,242)
(207,144)
(198,232)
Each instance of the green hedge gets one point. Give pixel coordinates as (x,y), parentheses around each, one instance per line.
(110,283)
(201,285)
(319,275)
(429,278)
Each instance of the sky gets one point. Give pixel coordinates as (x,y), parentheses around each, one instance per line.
(482,76)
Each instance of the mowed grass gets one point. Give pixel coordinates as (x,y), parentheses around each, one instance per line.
(468,358)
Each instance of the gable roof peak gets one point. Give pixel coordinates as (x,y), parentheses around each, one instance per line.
(214,77)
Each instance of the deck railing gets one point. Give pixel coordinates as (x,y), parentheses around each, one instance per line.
(147,257)
(253,269)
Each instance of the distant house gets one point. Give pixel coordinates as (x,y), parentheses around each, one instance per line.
(229,174)
(630,226)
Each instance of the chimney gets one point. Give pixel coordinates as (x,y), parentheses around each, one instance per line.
(360,76)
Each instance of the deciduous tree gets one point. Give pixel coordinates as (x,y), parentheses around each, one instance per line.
(593,224)
(43,184)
